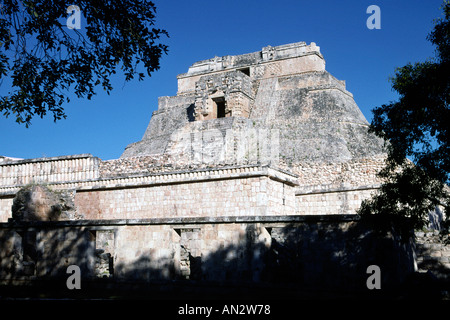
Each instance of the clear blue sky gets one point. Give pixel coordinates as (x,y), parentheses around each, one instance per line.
(203,29)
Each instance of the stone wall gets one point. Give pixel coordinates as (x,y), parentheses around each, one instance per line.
(271,61)
(336,253)
(325,176)
(234,88)
(160,185)
(29,252)
(338,201)
(6,203)
(190,194)
(65,172)
(433,252)
(310,251)
(48,170)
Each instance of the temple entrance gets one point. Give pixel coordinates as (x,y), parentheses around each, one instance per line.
(220,105)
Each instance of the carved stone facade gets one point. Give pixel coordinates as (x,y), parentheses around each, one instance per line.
(223,95)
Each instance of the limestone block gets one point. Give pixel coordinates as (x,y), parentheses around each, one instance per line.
(37,202)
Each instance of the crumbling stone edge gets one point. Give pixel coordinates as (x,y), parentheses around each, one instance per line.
(184,220)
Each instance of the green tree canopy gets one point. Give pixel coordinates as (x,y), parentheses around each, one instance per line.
(45,59)
(416,128)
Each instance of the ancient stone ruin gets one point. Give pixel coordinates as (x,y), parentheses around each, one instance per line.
(39,203)
(253,172)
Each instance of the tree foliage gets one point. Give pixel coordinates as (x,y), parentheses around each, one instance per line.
(45,59)
(416,127)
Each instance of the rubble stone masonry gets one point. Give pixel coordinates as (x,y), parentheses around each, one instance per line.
(139,187)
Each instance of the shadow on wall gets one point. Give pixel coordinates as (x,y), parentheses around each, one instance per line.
(324,255)
(300,258)
(337,256)
(32,252)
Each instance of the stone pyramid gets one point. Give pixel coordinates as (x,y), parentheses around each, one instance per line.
(280,101)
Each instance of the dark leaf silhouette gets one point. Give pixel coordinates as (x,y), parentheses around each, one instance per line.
(45,59)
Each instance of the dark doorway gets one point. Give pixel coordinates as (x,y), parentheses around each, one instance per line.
(245,71)
(220,109)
